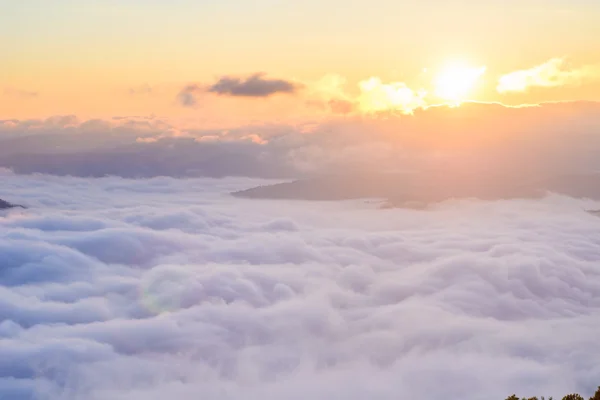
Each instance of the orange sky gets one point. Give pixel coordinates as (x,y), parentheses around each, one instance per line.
(107,58)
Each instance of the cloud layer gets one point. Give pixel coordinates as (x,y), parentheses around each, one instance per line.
(555,139)
(165,288)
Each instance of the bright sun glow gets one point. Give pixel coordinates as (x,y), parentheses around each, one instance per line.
(454,82)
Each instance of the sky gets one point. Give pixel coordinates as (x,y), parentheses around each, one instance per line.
(100,59)
(455,141)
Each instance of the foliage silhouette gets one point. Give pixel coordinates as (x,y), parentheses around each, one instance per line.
(573,396)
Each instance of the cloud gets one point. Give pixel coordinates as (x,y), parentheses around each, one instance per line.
(329,93)
(553,73)
(253,86)
(376,96)
(167,288)
(555,139)
(187,95)
(141,90)
(21,93)
(332,95)
(339,106)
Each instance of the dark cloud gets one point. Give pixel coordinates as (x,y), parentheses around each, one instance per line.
(4,205)
(254,86)
(125,289)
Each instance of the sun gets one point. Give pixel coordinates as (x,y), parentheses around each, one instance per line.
(456,81)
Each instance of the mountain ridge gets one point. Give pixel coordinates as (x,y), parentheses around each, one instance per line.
(398,189)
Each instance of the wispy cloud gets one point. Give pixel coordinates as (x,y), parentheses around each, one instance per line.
(21,93)
(553,73)
(187,95)
(141,90)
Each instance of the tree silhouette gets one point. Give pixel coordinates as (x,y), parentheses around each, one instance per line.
(573,397)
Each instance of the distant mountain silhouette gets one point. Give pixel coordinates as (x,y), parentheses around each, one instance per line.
(419,190)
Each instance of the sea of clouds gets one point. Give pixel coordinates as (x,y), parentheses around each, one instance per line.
(122,289)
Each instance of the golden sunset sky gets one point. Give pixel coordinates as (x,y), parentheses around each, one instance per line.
(106,58)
